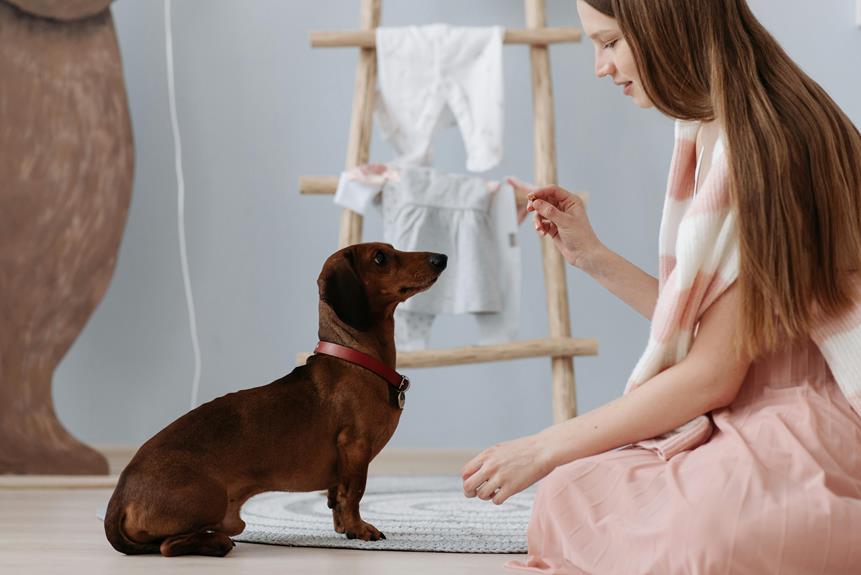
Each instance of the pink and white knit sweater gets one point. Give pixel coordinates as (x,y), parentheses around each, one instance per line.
(698,262)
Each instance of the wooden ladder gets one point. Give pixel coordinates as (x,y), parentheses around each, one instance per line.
(559,345)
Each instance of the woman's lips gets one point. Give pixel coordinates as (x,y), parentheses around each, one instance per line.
(629,88)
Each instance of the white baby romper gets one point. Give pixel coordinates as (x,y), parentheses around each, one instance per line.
(429,76)
(466,217)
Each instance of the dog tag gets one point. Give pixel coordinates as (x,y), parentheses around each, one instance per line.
(402,398)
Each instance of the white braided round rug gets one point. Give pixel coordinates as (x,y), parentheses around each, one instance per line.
(414,513)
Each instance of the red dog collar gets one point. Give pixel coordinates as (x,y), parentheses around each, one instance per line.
(400,382)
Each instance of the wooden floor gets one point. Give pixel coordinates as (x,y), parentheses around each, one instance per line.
(51,529)
(57,531)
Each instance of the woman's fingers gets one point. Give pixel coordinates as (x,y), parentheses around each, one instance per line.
(471,466)
(552,194)
(547,210)
(545,227)
(472,474)
(489,489)
(501,495)
(472,485)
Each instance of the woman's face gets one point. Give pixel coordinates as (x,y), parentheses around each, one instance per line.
(613,56)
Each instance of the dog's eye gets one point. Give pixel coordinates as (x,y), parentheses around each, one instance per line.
(380,258)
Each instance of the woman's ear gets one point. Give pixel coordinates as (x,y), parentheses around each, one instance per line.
(341,288)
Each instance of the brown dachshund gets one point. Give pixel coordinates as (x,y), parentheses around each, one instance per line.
(316,428)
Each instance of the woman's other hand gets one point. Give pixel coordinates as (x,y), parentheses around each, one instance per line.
(505,469)
(561,215)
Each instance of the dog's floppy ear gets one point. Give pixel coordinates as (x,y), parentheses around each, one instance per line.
(342,289)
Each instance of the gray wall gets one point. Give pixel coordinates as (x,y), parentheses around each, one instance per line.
(257,109)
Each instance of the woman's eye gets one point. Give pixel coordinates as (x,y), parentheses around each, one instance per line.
(379,258)
(610,44)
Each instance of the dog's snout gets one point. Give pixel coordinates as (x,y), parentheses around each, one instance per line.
(438,261)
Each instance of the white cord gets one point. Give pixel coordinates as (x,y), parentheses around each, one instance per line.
(180,187)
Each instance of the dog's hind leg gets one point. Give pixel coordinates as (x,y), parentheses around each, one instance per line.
(215,542)
(212,543)
(232,524)
(183,514)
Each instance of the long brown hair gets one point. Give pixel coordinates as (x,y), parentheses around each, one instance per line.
(794,156)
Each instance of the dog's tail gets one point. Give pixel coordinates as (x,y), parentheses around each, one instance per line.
(114,519)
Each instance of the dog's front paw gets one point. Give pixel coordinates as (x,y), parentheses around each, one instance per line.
(366,532)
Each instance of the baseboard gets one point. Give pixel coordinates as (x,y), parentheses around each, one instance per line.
(392,461)
(420,461)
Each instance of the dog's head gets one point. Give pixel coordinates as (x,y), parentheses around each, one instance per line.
(368,280)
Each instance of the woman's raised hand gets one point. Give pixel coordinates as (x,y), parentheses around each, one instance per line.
(561,215)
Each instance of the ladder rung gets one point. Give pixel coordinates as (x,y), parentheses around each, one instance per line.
(544,347)
(327,185)
(318,185)
(367,38)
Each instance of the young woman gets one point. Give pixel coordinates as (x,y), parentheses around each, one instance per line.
(767,169)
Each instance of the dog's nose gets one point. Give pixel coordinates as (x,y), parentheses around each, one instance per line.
(438,261)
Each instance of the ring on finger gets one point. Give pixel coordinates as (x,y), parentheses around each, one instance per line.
(479,486)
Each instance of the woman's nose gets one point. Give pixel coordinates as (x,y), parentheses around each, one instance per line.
(603,67)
